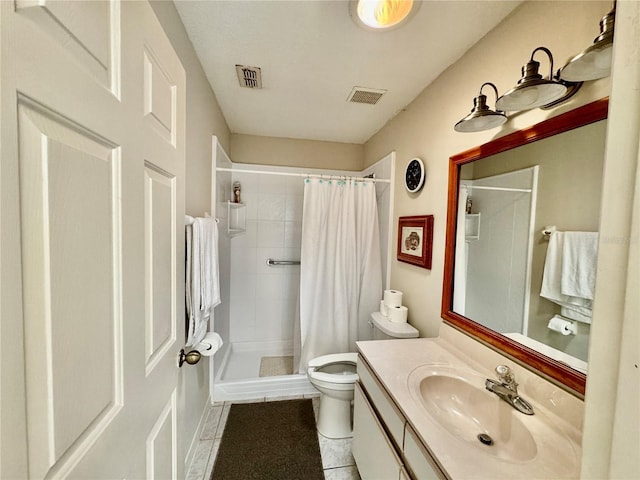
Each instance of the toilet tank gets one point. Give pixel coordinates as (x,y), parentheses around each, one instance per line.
(384,329)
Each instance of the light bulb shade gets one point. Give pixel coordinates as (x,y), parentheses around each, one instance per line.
(382,14)
(592,64)
(481,117)
(595,61)
(531,96)
(531,91)
(479,123)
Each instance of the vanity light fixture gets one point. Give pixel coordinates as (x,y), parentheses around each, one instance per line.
(595,61)
(382,14)
(533,91)
(481,116)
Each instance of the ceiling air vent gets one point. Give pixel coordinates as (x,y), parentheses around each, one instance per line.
(369,96)
(249,77)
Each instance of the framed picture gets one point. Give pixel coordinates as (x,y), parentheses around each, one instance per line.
(415,240)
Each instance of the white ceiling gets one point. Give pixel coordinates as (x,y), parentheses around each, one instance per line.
(312,54)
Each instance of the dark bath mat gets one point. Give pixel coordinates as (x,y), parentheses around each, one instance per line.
(269,441)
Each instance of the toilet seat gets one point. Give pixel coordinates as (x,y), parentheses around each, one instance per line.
(342,377)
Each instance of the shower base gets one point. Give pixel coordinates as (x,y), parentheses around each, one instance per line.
(265,387)
(238,379)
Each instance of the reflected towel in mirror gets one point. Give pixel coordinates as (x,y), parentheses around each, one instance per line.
(574,306)
(579,258)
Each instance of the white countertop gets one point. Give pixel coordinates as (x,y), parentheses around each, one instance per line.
(557,456)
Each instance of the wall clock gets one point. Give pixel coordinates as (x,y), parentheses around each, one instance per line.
(414,175)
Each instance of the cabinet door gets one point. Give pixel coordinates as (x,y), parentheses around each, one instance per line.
(374,454)
(418,460)
(388,413)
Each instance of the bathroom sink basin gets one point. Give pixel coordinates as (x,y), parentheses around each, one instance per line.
(455,398)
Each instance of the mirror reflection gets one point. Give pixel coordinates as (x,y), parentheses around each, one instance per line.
(509,199)
(508,203)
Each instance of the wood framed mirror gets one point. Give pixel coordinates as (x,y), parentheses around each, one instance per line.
(573,378)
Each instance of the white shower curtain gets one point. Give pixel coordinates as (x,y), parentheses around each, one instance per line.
(340,271)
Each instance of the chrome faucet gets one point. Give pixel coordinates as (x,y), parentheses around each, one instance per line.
(507,389)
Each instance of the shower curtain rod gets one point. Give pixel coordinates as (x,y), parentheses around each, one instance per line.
(499,189)
(305,175)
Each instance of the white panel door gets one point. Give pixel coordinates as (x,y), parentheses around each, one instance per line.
(92,184)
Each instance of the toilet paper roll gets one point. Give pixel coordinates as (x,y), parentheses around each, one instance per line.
(383,309)
(210,344)
(398,314)
(562,325)
(392,298)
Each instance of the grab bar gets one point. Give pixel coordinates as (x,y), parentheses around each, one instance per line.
(271,262)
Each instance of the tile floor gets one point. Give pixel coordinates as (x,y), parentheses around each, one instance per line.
(337,460)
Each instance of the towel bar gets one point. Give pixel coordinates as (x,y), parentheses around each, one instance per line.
(271,262)
(547,231)
(188,220)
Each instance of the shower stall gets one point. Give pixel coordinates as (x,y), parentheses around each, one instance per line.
(259,247)
(494,247)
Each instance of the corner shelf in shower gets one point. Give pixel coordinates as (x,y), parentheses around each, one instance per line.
(472,226)
(236,219)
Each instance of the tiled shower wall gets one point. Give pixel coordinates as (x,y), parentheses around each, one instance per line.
(263,298)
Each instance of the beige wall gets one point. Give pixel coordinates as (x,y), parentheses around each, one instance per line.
(289,152)
(425,127)
(204,119)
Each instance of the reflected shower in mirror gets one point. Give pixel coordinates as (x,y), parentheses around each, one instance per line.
(502,196)
(492,259)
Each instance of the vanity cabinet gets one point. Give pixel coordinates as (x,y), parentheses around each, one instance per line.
(375,455)
(385,446)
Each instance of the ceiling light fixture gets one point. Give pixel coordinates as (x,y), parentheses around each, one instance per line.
(533,91)
(382,14)
(595,61)
(481,116)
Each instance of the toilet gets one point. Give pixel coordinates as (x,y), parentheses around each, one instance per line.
(334,376)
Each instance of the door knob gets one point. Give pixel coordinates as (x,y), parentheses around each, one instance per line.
(191,357)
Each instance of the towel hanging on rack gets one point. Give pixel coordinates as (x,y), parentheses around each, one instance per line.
(579,259)
(571,257)
(203,280)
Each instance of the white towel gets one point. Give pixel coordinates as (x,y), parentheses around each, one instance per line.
(209,278)
(552,279)
(575,315)
(579,258)
(204,281)
(188,273)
